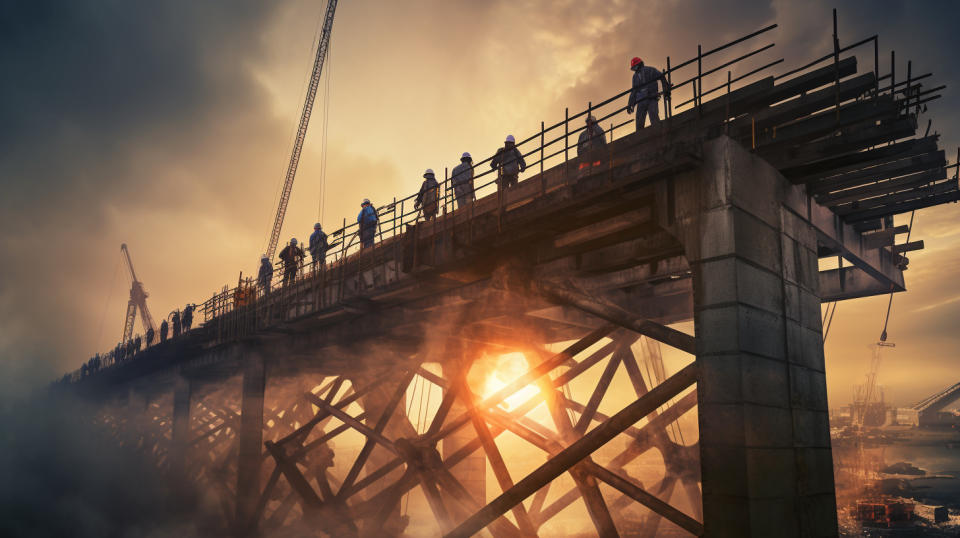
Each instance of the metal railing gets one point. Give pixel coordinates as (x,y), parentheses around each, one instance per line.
(233,312)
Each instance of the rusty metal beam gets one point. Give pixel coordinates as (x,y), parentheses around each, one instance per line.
(615,314)
(578,451)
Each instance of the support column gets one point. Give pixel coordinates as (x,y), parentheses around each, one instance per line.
(764,432)
(250,436)
(472,471)
(181,424)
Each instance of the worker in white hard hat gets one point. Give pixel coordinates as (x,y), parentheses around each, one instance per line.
(462,180)
(508,162)
(265,274)
(291,256)
(428,199)
(367,223)
(318,246)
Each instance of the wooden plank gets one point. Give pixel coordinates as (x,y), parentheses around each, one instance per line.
(901,167)
(866,192)
(854,138)
(907,247)
(903,207)
(809,172)
(881,202)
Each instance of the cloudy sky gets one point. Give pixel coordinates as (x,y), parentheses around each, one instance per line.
(167,125)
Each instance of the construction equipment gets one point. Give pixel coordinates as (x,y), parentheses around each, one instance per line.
(138,301)
(302,128)
(869,408)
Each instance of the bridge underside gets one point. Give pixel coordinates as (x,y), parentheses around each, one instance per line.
(469,374)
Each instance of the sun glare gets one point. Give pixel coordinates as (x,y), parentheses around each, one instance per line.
(503,370)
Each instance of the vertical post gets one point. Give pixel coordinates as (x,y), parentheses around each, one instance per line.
(181,424)
(668,101)
(250,436)
(698,89)
(726,118)
(446,190)
(876,65)
(907,92)
(836,64)
(566,134)
(543,180)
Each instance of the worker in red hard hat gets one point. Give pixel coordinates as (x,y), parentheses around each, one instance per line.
(644,95)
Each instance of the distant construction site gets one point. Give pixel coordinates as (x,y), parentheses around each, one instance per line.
(624,338)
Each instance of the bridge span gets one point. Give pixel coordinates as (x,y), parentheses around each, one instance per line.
(722,214)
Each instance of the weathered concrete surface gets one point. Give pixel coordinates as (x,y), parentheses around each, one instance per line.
(764,432)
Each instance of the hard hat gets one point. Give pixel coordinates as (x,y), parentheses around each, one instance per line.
(293,241)
(510,139)
(365,201)
(591,119)
(264,257)
(316,226)
(635,62)
(428,173)
(466,155)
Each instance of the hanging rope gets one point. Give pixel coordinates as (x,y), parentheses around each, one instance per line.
(886,319)
(103,316)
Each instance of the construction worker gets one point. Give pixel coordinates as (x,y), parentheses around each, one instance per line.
(591,143)
(137,342)
(266,274)
(318,245)
(187,317)
(462,180)
(508,162)
(163,331)
(429,196)
(367,221)
(150,335)
(175,321)
(291,256)
(644,95)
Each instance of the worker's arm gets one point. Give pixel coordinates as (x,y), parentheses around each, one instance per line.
(666,85)
(633,92)
(522,163)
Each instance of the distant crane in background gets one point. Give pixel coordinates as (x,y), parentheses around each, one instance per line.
(138,301)
(302,128)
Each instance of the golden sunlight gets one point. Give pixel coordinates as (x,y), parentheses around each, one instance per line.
(503,370)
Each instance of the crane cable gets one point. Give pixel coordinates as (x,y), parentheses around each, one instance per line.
(321,203)
(886,320)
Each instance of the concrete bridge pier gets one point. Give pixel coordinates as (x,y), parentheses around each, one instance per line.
(250,435)
(763,415)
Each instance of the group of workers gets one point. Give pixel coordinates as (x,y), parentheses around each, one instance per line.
(508,162)
(181,320)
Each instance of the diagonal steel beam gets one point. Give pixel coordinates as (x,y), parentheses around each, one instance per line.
(378,430)
(614,314)
(574,453)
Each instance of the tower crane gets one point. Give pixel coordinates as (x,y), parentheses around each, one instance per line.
(138,301)
(302,128)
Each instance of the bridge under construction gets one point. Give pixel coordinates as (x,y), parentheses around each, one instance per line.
(582,276)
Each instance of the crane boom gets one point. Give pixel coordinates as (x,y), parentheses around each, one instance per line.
(138,301)
(302,128)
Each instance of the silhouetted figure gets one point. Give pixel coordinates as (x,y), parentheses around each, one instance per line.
(187,318)
(176,323)
(136,344)
(318,245)
(265,275)
(462,180)
(163,331)
(150,335)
